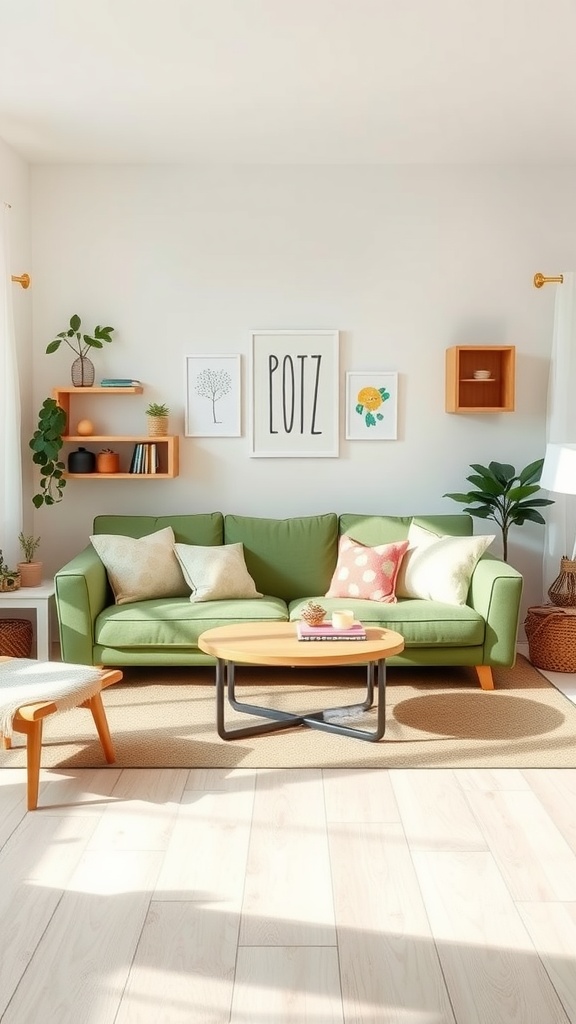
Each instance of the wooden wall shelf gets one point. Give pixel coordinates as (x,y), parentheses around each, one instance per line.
(167,446)
(467,394)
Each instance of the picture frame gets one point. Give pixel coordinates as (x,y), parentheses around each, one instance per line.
(294,409)
(213,396)
(371,405)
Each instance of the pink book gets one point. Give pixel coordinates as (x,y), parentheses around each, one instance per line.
(326,631)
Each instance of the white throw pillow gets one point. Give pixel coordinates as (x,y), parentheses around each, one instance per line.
(143,568)
(439,568)
(216,572)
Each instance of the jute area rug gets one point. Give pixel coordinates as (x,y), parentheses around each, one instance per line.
(436,717)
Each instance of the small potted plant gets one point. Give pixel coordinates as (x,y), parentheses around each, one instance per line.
(9,578)
(82,368)
(30,568)
(157,419)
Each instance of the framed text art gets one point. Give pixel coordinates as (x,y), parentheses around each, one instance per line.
(371,406)
(213,390)
(294,397)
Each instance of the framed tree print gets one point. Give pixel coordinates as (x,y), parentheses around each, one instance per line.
(294,395)
(371,406)
(213,396)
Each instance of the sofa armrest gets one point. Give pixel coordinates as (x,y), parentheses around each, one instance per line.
(81,593)
(495,592)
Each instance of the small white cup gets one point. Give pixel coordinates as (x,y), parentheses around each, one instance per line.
(343,619)
(482,374)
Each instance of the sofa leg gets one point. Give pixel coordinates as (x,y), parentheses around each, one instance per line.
(484,673)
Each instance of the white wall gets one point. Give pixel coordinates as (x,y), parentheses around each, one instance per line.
(404,261)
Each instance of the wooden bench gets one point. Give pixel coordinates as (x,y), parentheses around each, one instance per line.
(29,719)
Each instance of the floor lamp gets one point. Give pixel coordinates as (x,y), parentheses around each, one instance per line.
(559,475)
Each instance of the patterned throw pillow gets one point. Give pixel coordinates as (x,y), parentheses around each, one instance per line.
(216,573)
(439,568)
(367,573)
(141,569)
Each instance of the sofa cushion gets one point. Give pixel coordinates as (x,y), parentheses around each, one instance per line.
(366,572)
(439,568)
(372,529)
(215,573)
(287,557)
(175,622)
(421,623)
(142,568)
(198,528)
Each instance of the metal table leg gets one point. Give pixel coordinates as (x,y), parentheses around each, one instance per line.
(329,719)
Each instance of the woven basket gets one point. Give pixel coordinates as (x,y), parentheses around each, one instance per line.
(551,636)
(9,583)
(15,638)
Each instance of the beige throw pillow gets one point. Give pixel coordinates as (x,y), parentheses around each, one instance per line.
(439,568)
(143,568)
(216,573)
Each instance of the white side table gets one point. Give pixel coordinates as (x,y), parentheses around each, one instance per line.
(39,599)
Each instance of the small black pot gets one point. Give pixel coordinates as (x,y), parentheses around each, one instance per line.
(82,461)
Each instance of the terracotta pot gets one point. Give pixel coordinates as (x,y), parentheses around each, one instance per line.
(107,462)
(30,573)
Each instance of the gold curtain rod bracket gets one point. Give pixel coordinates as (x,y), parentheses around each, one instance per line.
(23,279)
(539,280)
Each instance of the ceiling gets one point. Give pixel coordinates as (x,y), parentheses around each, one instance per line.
(289,81)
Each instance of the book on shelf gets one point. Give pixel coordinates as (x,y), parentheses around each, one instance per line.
(119,382)
(145,458)
(326,631)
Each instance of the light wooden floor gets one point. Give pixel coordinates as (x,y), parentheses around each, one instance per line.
(285,897)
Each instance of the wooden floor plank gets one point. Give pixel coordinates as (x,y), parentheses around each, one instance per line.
(389,965)
(492,971)
(359,794)
(531,852)
(288,893)
(80,967)
(287,985)
(183,971)
(434,811)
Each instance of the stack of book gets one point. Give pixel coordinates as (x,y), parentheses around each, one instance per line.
(118,382)
(145,458)
(326,631)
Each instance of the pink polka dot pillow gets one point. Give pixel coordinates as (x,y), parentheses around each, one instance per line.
(367,573)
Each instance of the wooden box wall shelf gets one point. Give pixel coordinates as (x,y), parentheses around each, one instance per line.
(167,447)
(466,394)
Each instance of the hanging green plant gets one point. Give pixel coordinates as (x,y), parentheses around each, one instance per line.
(46,443)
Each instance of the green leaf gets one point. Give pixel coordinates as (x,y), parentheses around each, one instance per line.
(53,346)
(502,471)
(379,416)
(532,472)
(75,322)
(360,409)
(370,421)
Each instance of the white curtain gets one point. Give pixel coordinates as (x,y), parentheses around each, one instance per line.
(560,529)
(10,451)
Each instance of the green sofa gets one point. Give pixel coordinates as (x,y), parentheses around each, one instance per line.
(291,561)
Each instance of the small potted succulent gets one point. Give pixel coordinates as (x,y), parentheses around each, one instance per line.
(30,569)
(157,419)
(9,578)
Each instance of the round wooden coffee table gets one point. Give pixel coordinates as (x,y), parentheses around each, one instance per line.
(262,643)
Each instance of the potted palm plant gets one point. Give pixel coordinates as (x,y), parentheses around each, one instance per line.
(30,568)
(504,495)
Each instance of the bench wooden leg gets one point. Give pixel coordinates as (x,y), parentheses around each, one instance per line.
(95,705)
(486,679)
